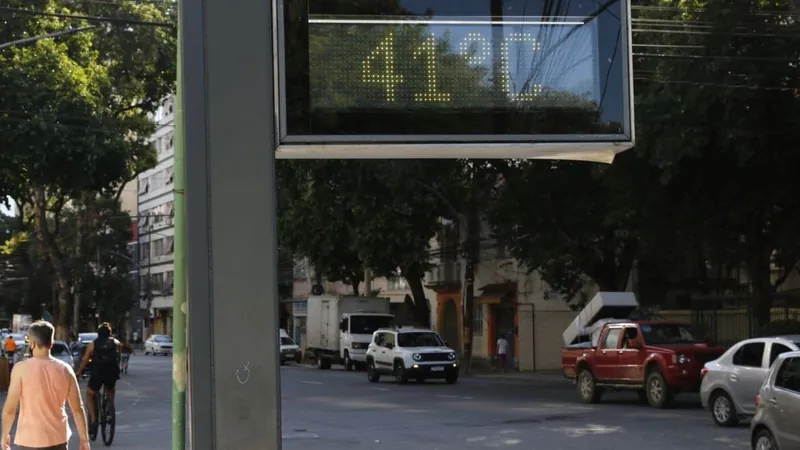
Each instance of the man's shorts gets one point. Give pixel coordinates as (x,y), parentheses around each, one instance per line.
(98,381)
(55,447)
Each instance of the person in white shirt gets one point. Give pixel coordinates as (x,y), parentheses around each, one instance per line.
(502,350)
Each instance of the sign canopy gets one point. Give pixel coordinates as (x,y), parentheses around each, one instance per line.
(454,79)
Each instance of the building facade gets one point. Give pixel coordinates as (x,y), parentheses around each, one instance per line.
(156,208)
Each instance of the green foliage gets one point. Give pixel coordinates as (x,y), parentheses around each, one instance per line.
(348,215)
(75,113)
(575,221)
(717,110)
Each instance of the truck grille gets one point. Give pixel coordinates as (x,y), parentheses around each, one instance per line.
(427,357)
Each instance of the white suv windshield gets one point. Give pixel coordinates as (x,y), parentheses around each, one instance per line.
(419,340)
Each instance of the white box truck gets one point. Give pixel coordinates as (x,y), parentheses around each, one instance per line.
(339,328)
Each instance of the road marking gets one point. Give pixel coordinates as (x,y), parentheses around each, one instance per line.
(380,389)
(301,436)
(311,382)
(456,397)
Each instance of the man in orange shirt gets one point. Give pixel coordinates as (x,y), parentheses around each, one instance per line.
(40,386)
(11,348)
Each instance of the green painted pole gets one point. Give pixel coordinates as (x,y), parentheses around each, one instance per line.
(179,305)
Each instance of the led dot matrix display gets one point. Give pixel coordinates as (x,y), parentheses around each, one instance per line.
(417,63)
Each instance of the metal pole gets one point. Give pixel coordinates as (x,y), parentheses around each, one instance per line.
(179,306)
(231,244)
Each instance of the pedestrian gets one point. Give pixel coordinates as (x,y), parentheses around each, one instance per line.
(11,348)
(502,350)
(40,386)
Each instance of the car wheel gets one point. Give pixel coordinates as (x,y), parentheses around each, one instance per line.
(723,410)
(764,440)
(400,376)
(372,375)
(587,387)
(659,394)
(348,363)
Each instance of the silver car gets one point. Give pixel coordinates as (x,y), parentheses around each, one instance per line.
(731,382)
(774,427)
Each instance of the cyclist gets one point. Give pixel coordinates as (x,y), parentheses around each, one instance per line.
(104,353)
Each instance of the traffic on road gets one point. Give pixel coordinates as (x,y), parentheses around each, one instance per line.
(667,365)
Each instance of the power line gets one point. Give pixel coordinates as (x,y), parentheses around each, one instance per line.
(100,19)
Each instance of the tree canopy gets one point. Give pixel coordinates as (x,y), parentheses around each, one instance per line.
(76,110)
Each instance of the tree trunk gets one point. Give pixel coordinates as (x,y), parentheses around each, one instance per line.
(78,285)
(759,274)
(45,239)
(422,310)
(356,284)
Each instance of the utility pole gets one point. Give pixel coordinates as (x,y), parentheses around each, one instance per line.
(472,250)
(179,305)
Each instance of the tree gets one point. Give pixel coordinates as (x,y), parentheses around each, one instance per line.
(75,118)
(574,221)
(347,215)
(740,68)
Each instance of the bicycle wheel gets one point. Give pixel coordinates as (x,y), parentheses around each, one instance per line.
(109,421)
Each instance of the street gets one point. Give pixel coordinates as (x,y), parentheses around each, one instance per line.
(330,410)
(340,410)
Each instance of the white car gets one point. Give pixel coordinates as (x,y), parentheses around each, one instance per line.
(731,382)
(407,353)
(158,344)
(60,350)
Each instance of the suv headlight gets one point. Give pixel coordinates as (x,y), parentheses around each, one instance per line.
(416,356)
(451,356)
(682,359)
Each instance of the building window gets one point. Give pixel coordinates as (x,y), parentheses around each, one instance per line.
(157,248)
(477,321)
(144,251)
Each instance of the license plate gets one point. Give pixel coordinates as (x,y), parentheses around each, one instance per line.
(437,369)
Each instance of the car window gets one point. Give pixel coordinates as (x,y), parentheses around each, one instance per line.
(286,341)
(789,375)
(419,340)
(388,338)
(162,339)
(777,349)
(59,350)
(749,355)
(612,338)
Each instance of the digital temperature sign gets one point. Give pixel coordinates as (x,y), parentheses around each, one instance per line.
(418,63)
(454,72)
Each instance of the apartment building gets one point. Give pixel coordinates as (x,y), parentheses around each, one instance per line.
(155,227)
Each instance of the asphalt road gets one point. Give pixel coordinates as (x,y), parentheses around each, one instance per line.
(330,410)
(337,410)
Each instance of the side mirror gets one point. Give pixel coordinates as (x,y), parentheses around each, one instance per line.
(634,344)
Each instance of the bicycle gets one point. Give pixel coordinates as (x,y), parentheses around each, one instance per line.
(105,418)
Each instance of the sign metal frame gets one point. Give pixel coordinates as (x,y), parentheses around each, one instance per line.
(584,147)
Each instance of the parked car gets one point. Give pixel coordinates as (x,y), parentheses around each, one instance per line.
(775,424)
(655,359)
(158,344)
(290,351)
(731,382)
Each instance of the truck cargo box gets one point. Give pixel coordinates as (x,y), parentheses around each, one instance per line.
(604,305)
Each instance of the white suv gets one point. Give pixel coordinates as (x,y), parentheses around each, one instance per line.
(410,353)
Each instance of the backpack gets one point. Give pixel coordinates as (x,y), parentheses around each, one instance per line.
(105,352)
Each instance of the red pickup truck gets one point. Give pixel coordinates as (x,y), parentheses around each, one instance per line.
(656,359)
